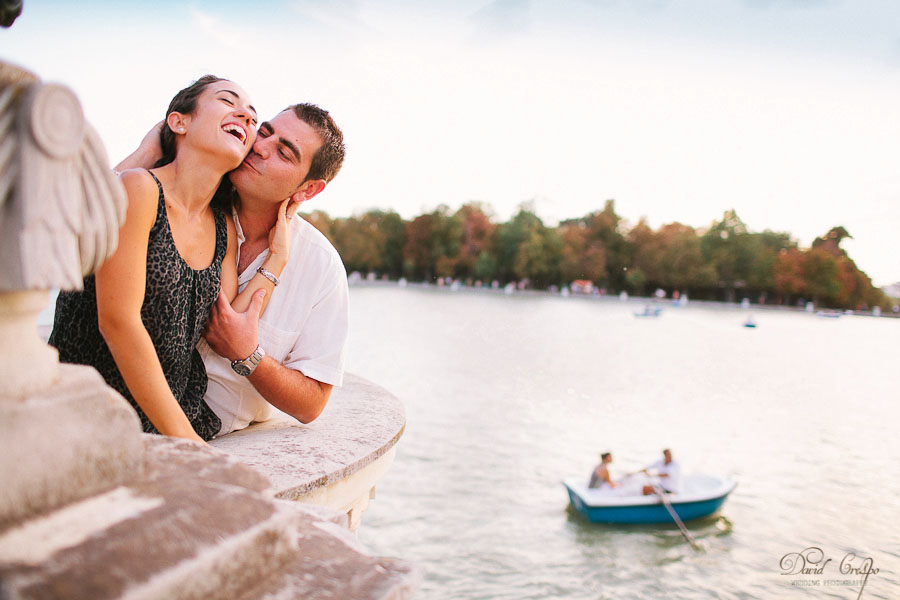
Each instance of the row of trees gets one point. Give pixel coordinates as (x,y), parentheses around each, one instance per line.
(725,261)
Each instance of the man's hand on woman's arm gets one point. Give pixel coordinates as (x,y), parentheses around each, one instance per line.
(231,334)
(234,335)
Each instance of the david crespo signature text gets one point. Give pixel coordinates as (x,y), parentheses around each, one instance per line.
(812,561)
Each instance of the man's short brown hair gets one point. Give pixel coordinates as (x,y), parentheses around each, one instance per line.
(330,156)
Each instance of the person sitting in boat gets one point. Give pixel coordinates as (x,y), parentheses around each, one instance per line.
(668,471)
(600,477)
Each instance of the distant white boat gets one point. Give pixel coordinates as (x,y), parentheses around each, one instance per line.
(650,310)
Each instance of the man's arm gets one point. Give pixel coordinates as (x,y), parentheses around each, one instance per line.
(290,391)
(146,154)
(234,336)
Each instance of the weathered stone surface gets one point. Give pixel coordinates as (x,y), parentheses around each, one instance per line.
(166,457)
(361,423)
(177,538)
(74,438)
(195,525)
(342,570)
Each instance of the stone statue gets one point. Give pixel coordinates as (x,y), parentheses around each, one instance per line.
(49,152)
(65,434)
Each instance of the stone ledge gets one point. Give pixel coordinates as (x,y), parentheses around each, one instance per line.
(361,424)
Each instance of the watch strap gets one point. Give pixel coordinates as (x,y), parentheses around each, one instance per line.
(246,366)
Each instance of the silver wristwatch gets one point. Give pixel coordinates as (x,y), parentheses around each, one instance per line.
(245,367)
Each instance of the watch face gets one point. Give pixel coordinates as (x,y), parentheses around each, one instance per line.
(241,369)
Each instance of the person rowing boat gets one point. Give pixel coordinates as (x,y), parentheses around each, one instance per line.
(667,471)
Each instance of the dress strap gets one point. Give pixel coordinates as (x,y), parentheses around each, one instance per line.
(161,219)
(158,184)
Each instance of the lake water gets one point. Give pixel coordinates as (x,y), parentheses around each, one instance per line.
(507,395)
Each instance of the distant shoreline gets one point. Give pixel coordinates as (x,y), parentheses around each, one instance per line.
(638,300)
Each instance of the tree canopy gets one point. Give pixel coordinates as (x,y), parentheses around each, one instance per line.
(725,261)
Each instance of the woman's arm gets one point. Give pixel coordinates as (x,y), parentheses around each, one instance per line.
(279,250)
(121,283)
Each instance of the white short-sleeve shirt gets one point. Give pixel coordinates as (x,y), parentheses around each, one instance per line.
(304,326)
(672,483)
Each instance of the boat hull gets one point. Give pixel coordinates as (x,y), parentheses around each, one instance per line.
(646,509)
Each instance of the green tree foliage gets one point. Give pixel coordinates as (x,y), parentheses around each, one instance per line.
(528,250)
(820,271)
(321,221)
(372,241)
(726,261)
(432,245)
(681,265)
(636,280)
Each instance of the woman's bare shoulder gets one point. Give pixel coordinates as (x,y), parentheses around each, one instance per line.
(142,191)
(139,180)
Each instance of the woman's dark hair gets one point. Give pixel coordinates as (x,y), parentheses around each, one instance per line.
(184,102)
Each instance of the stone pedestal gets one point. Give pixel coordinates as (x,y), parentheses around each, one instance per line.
(64,433)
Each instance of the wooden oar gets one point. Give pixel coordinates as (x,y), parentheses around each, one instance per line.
(684,531)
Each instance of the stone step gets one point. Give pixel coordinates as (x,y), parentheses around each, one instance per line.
(331,565)
(198,524)
(168,538)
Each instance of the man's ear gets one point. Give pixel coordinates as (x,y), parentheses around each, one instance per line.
(178,122)
(308,189)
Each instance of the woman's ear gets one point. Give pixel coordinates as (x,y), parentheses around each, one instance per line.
(178,122)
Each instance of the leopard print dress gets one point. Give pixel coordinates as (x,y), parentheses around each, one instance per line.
(176,305)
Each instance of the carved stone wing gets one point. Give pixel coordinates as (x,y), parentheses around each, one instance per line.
(60,205)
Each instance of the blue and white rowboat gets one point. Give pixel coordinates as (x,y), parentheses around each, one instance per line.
(701,496)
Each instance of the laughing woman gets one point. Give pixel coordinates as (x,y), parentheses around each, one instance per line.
(138,320)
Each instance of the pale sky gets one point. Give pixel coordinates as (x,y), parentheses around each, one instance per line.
(786,110)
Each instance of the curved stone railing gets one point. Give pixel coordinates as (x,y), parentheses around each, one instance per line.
(336,460)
